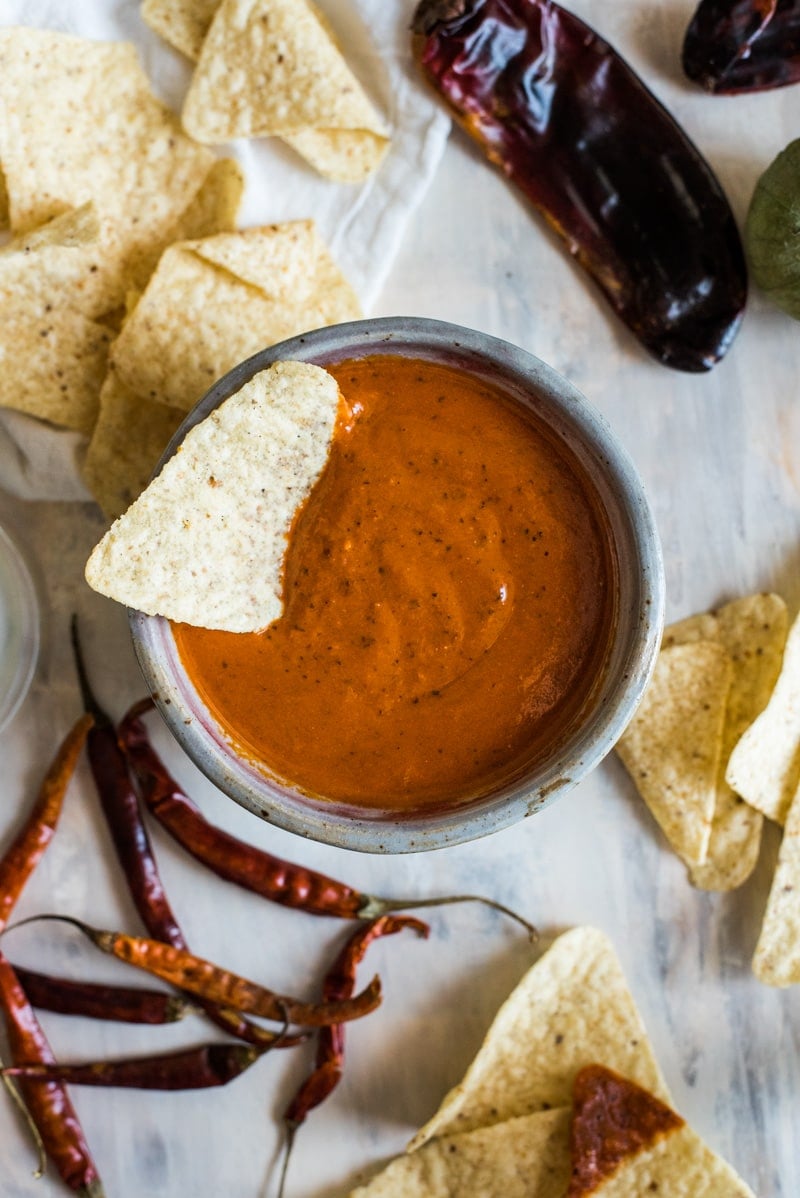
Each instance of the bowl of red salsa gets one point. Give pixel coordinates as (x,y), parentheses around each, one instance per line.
(473,602)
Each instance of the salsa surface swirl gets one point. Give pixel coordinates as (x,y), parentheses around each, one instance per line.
(449,592)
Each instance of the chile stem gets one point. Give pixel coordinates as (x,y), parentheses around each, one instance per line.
(373,906)
(19,1102)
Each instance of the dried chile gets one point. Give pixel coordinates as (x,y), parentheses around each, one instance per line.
(575,129)
(743,45)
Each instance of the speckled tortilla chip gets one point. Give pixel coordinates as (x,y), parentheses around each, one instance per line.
(672,747)
(204,543)
(127,442)
(78,122)
(777,956)
(526,1157)
(182,23)
(628,1144)
(753,631)
(213,303)
(212,210)
(571,1009)
(53,356)
(269,68)
(61,262)
(764,767)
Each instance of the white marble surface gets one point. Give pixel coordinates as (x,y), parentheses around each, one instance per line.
(719,456)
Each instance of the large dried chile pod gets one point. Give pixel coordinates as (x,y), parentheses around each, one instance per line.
(568,121)
(743,45)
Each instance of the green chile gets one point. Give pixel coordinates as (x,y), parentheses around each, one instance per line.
(772,231)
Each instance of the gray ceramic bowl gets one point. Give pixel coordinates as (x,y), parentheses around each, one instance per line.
(632,655)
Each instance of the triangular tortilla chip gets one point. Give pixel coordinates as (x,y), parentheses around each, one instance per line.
(128,439)
(672,746)
(753,631)
(777,956)
(63,262)
(270,68)
(628,1144)
(182,23)
(205,542)
(764,767)
(79,122)
(199,317)
(521,1158)
(571,1009)
(53,355)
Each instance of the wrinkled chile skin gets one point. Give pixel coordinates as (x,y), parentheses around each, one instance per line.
(568,121)
(743,45)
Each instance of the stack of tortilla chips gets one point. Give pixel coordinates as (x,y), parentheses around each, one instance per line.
(271,68)
(98,181)
(715,747)
(564,1099)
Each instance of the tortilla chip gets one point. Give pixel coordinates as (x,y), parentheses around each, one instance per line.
(753,631)
(526,1157)
(204,544)
(764,767)
(54,355)
(626,1143)
(571,1009)
(269,68)
(212,210)
(777,956)
(182,23)
(213,303)
(79,122)
(128,440)
(673,745)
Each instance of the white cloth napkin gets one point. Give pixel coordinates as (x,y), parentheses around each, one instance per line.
(363,225)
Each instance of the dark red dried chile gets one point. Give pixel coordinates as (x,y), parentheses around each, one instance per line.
(743,45)
(572,126)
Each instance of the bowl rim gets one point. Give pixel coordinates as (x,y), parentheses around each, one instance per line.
(24,640)
(379,832)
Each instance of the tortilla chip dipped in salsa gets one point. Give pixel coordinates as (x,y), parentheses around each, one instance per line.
(270,68)
(627,1143)
(205,542)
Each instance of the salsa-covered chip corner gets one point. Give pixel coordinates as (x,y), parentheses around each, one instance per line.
(204,543)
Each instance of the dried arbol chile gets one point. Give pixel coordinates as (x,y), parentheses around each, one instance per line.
(575,129)
(743,45)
